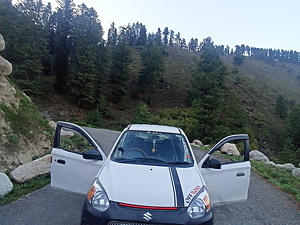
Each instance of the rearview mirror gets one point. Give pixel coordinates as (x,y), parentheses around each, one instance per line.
(92,154)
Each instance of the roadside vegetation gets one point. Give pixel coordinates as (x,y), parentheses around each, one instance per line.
(20,190)
(279,177)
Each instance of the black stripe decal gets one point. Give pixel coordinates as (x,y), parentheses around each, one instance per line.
(173,187)
(178,189)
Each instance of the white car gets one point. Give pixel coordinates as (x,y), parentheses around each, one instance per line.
(150,176)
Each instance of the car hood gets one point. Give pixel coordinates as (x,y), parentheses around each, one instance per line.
(145,185)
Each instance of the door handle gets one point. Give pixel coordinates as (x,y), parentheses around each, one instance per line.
(240,174)
(61,161)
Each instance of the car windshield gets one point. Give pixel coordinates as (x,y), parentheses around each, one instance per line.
(152,148)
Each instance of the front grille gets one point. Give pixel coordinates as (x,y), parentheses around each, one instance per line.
(129,223)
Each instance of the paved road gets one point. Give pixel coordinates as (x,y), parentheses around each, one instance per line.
(267,205)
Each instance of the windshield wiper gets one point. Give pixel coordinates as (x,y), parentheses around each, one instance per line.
(148,158)
(179,163)
(125,160)
(138,159)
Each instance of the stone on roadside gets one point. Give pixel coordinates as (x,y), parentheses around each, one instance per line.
(296,172)
(197,142)
(279,165)
(258,156)
(288,166)
(2,43)
(5,67)
(6,185)
(31,170)
(52,124)
(271,163)
(230,149)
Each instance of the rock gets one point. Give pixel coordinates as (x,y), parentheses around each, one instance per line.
(230,149)
(5,67)
(279,165)
(31,170)
(296,172)
(197,142)
(52,124)
(258,156)
(2,43)
(6,185)
(271,163)
(7,93)
(288,166)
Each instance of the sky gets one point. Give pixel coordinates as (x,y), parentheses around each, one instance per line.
(257,23)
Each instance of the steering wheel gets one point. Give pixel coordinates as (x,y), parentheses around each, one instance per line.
(139,150)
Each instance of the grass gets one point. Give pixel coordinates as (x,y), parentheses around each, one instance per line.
(21,190)
(279,177)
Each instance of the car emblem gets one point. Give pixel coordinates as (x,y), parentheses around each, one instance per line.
(147,216)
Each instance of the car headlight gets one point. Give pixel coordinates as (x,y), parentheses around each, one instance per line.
(97,197)
(200,204)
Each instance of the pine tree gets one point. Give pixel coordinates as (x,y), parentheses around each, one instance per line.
(166,35)
(151,74)
(119,72)
(280,107)
(143,35)
(87,36)
(62,29)
(177,40)
(183,44)
(158,40)
(171,40)
(206,92)
(112,35)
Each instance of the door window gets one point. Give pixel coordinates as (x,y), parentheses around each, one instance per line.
(71,140)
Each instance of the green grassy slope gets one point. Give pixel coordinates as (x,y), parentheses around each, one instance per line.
(258,84)
(179,65)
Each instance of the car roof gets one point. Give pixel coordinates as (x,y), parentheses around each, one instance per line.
(155,128)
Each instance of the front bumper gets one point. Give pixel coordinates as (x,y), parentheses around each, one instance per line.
(120,215)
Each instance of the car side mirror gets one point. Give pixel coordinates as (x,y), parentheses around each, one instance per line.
(92,154)
(213,163)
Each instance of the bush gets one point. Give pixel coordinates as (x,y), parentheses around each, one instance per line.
(142,115)
(94,117)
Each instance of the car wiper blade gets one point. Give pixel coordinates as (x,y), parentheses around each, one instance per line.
(179,163)
(148,158)
(125,160)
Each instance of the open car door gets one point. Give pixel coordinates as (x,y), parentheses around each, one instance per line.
(227,182)
(76,159)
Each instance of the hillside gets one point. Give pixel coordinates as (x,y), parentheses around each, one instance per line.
(256,83)
(23,133)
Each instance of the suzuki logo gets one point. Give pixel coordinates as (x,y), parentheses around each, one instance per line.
(147,216)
